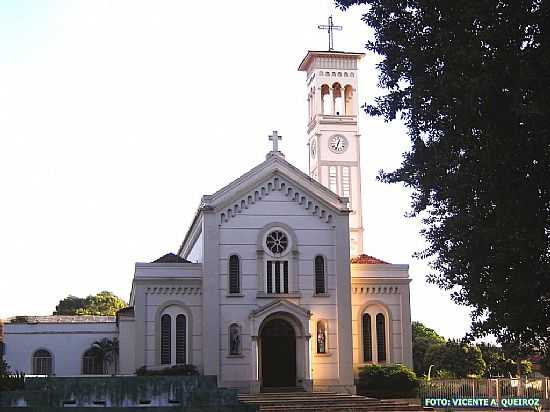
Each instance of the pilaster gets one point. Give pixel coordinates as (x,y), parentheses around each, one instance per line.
(211,295)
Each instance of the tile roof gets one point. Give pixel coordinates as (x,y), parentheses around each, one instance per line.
(61,319)
(170,258)
(367,260)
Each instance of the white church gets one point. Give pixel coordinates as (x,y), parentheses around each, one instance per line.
(270,286)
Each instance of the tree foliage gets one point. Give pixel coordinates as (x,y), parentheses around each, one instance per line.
(106,351)
(470,79)
(422,339)
(102,304)
(455,358)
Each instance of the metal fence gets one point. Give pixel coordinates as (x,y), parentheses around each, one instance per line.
(486,388)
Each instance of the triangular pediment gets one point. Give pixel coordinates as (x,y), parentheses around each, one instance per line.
(280,305)
(275,174)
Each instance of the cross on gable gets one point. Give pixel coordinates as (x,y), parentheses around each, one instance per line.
(330,28)
(275,139)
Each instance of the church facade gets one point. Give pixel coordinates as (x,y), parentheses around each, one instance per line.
(270,287)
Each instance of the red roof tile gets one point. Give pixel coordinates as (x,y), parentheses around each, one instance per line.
(367,260)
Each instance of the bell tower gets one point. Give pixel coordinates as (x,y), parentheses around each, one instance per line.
(332,130)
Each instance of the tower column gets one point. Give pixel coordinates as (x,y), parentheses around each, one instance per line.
(337,139)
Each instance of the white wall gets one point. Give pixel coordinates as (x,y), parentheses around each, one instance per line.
(384,286)
(67,342)
(127,334)
(239,235)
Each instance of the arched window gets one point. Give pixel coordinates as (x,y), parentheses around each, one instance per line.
(325,99)
(381,337)
(234,274)
(338,99)
(322,344)
(92,364)
(234,339)
(174,329)
(320,286)
(181,339)
(277,243)
(348,98)
(367,338)
(165,339)
(42,362)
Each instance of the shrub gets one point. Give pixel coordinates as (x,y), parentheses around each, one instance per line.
(10,381)
(176,370)
(395,381)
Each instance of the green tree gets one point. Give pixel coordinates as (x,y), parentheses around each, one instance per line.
(457,358)
(422,339)
(69,305)
(106,352)
(496,361)
(470,80)
(545,363)
(102,304)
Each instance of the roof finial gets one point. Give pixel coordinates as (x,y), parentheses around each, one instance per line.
(330,28)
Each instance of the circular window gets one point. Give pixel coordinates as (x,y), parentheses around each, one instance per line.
(277,242)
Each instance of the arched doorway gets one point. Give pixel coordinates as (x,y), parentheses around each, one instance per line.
(278,353)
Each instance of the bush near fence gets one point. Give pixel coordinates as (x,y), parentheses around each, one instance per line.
(395,381)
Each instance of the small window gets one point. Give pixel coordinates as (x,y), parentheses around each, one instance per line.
(381,337)
(320,286)
(367,338)
(42,362)
(234,274)
(181,339)
(322,337)
(165,340)
(234,339)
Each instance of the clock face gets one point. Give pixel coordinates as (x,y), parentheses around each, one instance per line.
(313,149)
(338,144)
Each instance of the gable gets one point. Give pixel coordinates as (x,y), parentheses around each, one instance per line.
(275,175)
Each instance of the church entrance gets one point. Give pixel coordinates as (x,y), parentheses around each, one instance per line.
(278,351)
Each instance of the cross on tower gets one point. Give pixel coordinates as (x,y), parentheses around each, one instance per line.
(275,139)
(330,28)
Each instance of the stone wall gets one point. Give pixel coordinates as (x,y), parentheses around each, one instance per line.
(183,392)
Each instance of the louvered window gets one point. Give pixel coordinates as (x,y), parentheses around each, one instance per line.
(367,338)
(181,339)
(320,275)
(165,340)
(381,337)
(234,274)
(332,179)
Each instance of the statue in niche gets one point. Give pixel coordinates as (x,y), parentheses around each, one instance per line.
(321,338)
(234,340)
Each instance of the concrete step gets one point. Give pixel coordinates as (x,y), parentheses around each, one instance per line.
(324,402)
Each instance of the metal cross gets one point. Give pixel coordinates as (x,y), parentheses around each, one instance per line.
(275,139)
(330,29)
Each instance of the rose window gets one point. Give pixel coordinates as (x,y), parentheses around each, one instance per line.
(277,242)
